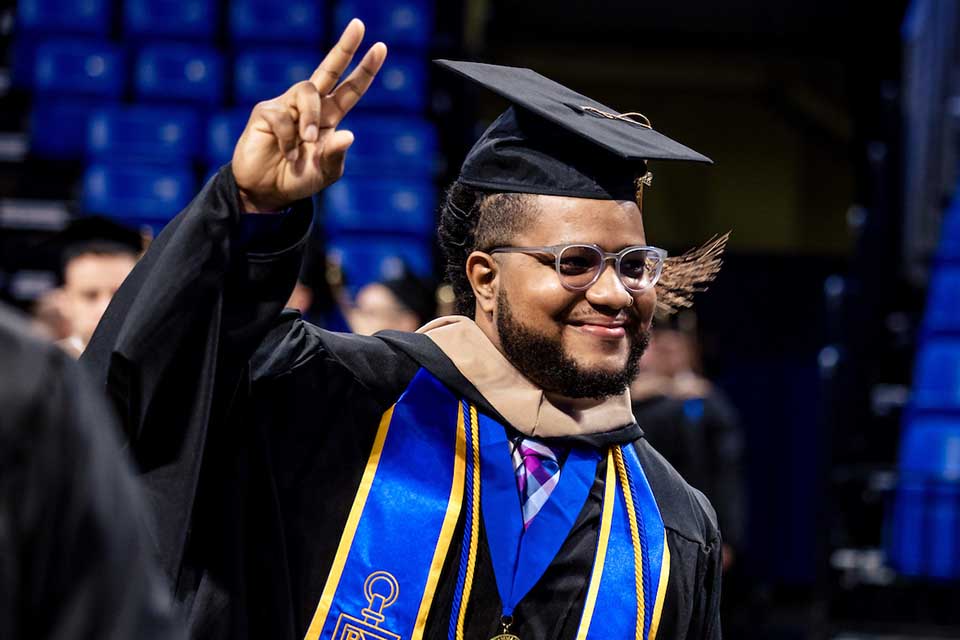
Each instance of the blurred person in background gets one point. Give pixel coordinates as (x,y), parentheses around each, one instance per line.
(76,562)
(405,303)
(98,254)
(311,484)
(692,423)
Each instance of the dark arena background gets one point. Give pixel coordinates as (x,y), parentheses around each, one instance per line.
(833,125)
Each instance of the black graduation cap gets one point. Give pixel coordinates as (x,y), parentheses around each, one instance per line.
(417,294)
(555,141)
(96,233)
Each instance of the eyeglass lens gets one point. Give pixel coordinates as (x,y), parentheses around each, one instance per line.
(579,266)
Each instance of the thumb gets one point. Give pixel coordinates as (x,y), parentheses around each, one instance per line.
(335,153)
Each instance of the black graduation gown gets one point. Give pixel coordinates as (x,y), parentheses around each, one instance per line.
(253,427)
(75,561)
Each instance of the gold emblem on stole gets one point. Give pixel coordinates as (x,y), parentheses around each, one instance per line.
(352,628)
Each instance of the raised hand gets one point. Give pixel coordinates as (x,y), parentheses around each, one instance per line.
(291,147)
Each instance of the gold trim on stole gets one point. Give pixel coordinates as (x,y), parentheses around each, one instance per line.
(446,529)
(609,495)
(350,529)
(356,511)
(661,589)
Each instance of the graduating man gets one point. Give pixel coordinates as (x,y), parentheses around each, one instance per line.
(481,478)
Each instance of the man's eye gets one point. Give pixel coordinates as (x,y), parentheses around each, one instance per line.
(575,265)
(633,268)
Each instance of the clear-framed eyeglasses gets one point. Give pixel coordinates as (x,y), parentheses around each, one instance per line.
(579,266)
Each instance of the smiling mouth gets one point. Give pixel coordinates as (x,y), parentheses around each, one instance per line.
(605,330)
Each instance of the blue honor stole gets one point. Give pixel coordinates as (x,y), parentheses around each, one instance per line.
(424,473)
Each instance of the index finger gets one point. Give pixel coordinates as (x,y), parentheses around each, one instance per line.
(326,76)
(352,89)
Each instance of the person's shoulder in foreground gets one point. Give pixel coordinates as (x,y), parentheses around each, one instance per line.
(75,562)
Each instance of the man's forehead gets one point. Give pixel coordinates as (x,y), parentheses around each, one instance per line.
(566,219)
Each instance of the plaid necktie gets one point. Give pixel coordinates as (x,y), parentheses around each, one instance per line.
(538,473)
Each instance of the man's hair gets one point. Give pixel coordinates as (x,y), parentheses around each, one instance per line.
(96,248)
(473,219)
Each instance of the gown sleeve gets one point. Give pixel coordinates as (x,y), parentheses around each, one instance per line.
(709,592)
(173,347)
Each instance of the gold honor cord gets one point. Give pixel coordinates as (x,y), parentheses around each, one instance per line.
(634,539)
(609,495)
(661,590)
(474,525)
(454,505)
(350,529)
(616,468)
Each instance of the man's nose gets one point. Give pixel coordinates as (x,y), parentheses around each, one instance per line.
(608,290)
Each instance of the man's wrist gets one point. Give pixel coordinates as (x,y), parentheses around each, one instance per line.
(253,205)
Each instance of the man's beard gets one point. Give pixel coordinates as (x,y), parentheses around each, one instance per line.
(543,361)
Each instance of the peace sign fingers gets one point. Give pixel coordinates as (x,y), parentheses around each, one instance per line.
(327,75)
(345,96)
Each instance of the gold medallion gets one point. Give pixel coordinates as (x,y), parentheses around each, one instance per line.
(506,622)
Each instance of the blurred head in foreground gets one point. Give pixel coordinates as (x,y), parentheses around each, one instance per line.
(98,255)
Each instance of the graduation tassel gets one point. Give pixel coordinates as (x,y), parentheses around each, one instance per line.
(688,274)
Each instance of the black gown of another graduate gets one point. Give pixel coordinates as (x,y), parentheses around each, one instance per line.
(252,429)
(75,561)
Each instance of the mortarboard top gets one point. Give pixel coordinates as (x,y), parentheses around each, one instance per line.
(555,141)
(99,229)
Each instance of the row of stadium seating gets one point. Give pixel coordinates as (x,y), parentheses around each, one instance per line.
(402,23)
(150,194)
(199,74)
(924,536)
(385,145)
(160,107)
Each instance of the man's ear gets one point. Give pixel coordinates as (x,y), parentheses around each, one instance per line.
(483,273)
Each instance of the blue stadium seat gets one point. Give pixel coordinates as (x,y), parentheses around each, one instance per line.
(949,249)
(58,128)
(142,132)
(923,539)
(283,23)
(391,145)
(22,55)
(223,131)
(382,205)
(930,448)
(367,259)
(180,73)
(64,16)
(401,84)
(905,538)
(170,18)
(137,193)
(261,74)
(936,379)
(943,301)
(71,67)
(399,23)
